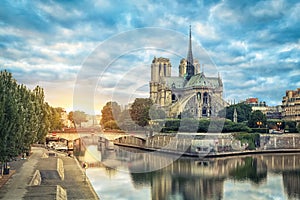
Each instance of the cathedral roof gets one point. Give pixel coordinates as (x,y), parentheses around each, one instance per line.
(174,82)
(200,80)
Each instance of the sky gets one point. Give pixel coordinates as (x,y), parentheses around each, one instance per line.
(87,52)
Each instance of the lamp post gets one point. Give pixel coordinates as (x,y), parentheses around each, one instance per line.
(279,125)
(259,123)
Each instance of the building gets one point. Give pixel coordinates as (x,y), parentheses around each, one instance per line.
(256,105)
(252,101)
(274,112)
(271,112)
(65,120)
(291,105)
(191,93)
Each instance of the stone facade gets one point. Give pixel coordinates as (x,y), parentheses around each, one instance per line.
(291,105)
(191,93)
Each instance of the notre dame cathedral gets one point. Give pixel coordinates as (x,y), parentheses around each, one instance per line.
(191,93)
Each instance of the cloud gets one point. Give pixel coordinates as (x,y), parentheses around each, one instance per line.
(257,43)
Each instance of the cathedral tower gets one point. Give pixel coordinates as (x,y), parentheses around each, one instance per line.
(160,68)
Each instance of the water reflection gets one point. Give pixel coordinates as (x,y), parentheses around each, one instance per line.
(252,177)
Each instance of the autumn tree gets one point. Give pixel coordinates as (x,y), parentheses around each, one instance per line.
(110,112)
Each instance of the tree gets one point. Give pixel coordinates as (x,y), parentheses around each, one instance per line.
(112,125)
(290,126)
(139,111)
(156,112)
(111,111)
(23,117)
(243,112)
(125,122)
(255,117)
(298,127)
(55,117)
(77,117)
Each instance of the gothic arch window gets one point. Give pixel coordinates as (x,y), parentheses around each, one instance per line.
(174,98)
(199,96)
(204,111)
(205,98)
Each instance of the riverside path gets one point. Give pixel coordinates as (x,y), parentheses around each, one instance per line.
(47,175)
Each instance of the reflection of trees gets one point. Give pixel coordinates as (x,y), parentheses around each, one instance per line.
(180,180)
(248,170)
(291,182)
(142,179)
(110,171)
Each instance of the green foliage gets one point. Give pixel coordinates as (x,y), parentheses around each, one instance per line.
(201,126)
(156,113)
(24,117)
(243,112)
(125,122)
(77,117)
(230,126)
(248,170)
(298,127)
(252,139)
(189,125)
(55,117)
(290,126)
(139,111)
(257,116)
(111,125)
(110,111)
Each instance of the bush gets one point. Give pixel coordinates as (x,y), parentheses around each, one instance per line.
(290,126)
(111,124)
(230,126)
(253,139)
(259,130)
(202,126)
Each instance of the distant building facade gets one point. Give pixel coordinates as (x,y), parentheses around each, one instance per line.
(192,92)
(271,112)
(274,112)
(291,105)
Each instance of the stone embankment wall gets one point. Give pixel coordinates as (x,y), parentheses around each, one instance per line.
(217,143)
(284,141)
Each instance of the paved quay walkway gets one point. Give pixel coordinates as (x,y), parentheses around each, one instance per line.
(47,175)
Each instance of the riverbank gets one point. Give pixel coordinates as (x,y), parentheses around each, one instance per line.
(212,154)
(47,175)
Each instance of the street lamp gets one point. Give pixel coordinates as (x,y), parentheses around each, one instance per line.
(279,125)
(259,123)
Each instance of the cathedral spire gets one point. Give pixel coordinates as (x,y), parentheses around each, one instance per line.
(190,53)
(190,61)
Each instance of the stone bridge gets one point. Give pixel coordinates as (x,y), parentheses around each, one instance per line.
(111,136)
(70,136)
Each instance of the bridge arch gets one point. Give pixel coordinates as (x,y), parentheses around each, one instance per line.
(130,140)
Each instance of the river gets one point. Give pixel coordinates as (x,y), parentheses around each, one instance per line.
(124,173)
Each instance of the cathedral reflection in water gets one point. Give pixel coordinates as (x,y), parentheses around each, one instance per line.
(192,178)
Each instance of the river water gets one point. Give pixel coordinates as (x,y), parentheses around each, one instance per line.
(124,173)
